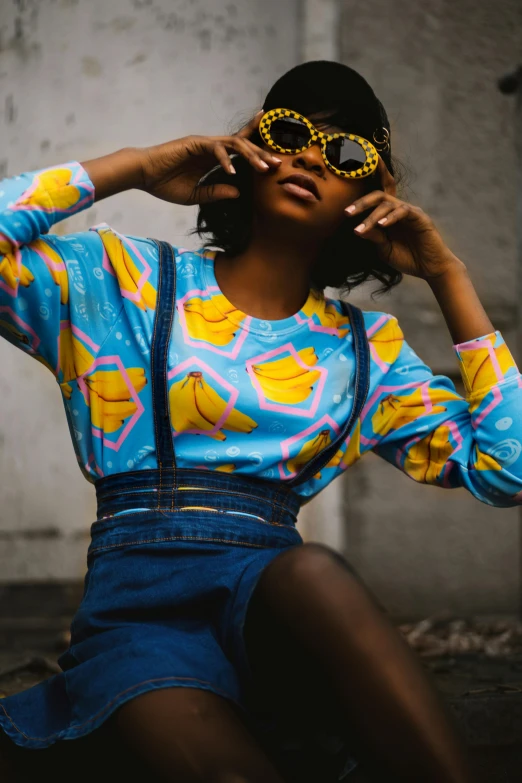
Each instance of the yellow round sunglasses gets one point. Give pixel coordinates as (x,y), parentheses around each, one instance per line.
(346,154)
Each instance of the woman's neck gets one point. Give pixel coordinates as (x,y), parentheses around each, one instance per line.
(269,280)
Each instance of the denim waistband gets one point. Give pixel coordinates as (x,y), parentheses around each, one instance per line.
(174,488)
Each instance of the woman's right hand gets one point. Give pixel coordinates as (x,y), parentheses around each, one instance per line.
(171,171)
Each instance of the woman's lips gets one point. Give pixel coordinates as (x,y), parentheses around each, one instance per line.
(302,193)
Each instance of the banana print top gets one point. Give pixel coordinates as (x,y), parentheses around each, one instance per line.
(246,395)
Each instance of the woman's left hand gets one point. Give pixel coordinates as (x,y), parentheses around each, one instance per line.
(408,240)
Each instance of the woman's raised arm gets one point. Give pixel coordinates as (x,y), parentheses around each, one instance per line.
(54,287)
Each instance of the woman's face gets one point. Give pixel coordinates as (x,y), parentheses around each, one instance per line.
(321,217)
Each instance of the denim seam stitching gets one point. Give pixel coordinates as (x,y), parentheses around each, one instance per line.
(218,491)
(133,687)
(152,362)
(178,538)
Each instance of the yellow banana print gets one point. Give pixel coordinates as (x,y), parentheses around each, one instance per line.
(328,314)
(75,359)
(59,275)
(478,370)
(53,189)
(284,380)
(387,341)
(485,461)
(110,399)
(126,270)
(109,416)
(310,450)
(66,390)
(206,321)
(395,411)
(9,268)
(353,452)
(195,405)
(229,467)
(111,385)
(426,458)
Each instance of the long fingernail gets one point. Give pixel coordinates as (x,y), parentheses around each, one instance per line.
(265,165)
(231,168)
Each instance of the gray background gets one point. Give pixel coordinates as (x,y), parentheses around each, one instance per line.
(81,78)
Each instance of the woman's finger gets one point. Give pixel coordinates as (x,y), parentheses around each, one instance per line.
(383,211)
(257,157)
(224,158)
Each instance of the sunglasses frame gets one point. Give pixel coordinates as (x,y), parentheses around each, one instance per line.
(372,156)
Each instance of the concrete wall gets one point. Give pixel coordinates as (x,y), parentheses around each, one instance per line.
(82,78)
(78,79)
(435,67)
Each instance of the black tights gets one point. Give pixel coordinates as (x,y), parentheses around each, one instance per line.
(319,642)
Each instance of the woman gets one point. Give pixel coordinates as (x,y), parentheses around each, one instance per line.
(210,394)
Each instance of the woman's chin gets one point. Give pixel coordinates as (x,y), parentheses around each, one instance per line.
(290,210)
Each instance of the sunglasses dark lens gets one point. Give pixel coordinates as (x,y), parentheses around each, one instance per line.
(289,133)
(345,154)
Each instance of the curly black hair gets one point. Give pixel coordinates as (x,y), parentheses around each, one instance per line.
(345,260)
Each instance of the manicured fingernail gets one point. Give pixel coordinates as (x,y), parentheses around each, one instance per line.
(231,168)
(350,209)
(264,165)
(277,160)
(360,227)
(382,220)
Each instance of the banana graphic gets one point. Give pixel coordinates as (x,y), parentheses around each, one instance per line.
(21,337)
(485,461)
(9,268)
(195,405)
(126,270)
(110,398)
(387,341)
(353,452)
(228,467)
(206,321)
(284,380)
(426,458)
(327,314)
(75,359)
(59,275)
(479,371)
(66,390)
(55,181)
(396,411)
(310,450)
(110,384)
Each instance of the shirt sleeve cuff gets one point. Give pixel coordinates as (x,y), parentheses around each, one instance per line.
(485,362)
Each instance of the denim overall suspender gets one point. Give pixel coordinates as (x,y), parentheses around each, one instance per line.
(159,358)
(168,478)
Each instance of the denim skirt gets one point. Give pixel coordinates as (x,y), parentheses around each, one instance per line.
(165,601)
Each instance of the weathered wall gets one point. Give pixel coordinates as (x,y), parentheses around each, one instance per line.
(81,78)
(435,67)
(78,79)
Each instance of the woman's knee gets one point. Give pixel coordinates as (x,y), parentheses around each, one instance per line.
(193,735)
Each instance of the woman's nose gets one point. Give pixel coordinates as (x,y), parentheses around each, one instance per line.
(312,159)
